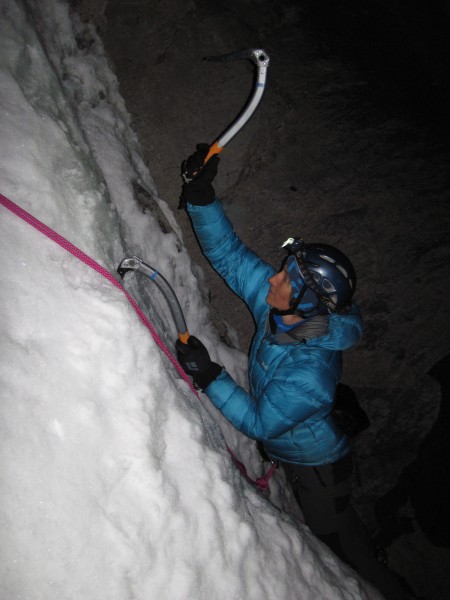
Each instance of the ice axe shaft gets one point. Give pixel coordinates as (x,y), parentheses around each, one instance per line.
(133,263)
(261,60)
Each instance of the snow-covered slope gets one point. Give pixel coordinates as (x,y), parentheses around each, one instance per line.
(115,480)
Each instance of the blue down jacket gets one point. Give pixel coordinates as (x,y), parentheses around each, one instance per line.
(291,386)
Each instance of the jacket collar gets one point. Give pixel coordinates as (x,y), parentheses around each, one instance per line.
(305,330)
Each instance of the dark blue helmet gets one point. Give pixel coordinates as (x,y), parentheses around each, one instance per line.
(319,271)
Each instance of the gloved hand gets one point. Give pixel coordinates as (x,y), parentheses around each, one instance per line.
(195,360)
(199,189)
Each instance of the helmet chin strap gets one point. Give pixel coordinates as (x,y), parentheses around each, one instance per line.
(294,310)
(312,312)
(282,313)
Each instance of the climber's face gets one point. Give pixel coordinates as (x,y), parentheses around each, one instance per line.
(280,292)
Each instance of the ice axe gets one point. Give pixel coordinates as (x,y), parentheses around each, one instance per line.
(261,60)
(133,263)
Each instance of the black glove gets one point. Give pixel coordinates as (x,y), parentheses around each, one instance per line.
(199,189)
(195,360)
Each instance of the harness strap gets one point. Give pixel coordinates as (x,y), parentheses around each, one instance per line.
(261,483)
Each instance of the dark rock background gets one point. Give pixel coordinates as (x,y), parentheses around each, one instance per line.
(349,146)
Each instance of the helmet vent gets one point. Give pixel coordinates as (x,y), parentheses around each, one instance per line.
(327,286)
(327,258)
(342,270)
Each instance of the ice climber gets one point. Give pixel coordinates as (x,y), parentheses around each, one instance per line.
(304,319)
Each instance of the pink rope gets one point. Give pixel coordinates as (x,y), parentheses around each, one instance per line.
(23,214)
(262,482)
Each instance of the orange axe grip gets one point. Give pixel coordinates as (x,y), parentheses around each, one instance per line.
(183,337)
(214,149)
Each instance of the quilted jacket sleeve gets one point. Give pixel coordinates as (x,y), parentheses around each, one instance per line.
(286,401)
(242,269)
(300,386)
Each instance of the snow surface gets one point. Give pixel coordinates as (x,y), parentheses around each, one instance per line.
(115,479)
